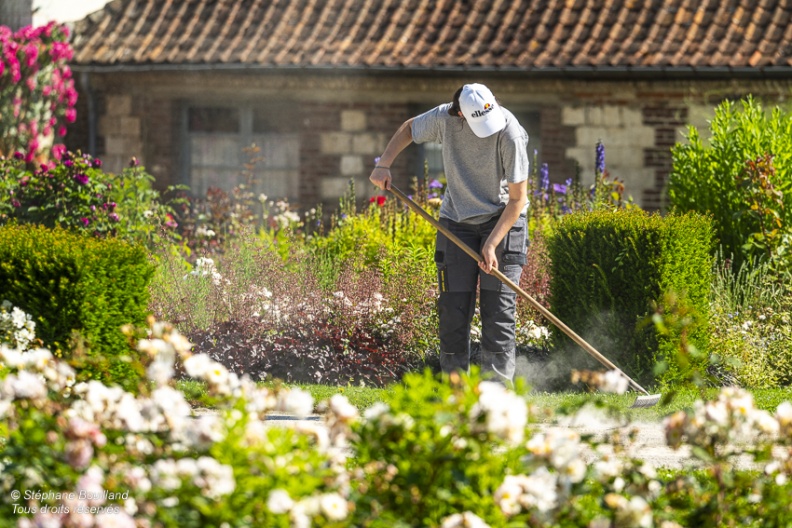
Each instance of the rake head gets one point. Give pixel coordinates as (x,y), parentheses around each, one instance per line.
(648,400)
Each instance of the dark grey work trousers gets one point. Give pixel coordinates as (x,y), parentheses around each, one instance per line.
(458,277)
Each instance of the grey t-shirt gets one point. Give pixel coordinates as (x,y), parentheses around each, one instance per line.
(477,170)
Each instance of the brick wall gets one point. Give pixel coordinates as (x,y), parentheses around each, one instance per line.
(345,122)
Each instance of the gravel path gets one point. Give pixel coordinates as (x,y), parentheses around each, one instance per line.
(649,441)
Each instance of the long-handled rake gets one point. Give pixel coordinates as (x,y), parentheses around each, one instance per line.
(646,400)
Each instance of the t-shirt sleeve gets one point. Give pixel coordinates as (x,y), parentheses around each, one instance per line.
(428,126)
(514,154)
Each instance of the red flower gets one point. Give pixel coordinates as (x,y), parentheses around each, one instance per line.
(379,199)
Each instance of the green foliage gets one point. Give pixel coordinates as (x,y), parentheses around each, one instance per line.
(434,452)
(178,470)
(415,472)
(611,270)
(77,195)
(380,230)
(74,283)
(549,202)
(751,326)
(726,178)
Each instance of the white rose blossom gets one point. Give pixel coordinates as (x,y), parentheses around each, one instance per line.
(505,413)
(464,520)
(279,501)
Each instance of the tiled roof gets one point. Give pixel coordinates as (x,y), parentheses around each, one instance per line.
(491,35)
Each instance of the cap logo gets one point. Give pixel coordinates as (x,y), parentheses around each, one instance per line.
(481,113)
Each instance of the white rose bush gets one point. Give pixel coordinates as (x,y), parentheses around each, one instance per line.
(442,453)
(86,454)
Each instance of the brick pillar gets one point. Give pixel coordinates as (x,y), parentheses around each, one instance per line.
(666,119)
(556,138)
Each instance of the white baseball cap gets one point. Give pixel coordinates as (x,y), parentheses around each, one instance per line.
(482,112)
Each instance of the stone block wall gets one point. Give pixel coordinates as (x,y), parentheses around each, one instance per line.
(121,131)
(339,144)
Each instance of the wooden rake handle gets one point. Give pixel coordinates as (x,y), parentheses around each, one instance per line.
(516,288)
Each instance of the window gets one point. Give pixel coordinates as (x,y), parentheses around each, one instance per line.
(217,137)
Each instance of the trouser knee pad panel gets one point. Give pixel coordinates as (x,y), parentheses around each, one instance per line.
(497,320)
(455,311)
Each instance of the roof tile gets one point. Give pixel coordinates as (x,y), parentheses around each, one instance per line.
(472,34)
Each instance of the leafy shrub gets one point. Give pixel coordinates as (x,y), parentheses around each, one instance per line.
(535,279)
(447,452)
(37,95)
(385,228)
(751,327)
(76,194)
(69,282)
(67,440)
(610,270)
(718,179)
(417,468)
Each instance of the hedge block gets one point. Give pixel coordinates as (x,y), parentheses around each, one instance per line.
(612,270)
(75,283)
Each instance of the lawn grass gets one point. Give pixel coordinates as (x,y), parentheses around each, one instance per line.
(557,402)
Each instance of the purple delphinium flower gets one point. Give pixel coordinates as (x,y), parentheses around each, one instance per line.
(544,177)
(600,158)
(434,184)
(81,178)
(559,189)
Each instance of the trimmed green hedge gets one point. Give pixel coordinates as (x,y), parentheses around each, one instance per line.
(70,282)
(610,270)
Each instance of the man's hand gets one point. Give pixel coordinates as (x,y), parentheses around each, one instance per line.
(489,260)
(381,177)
